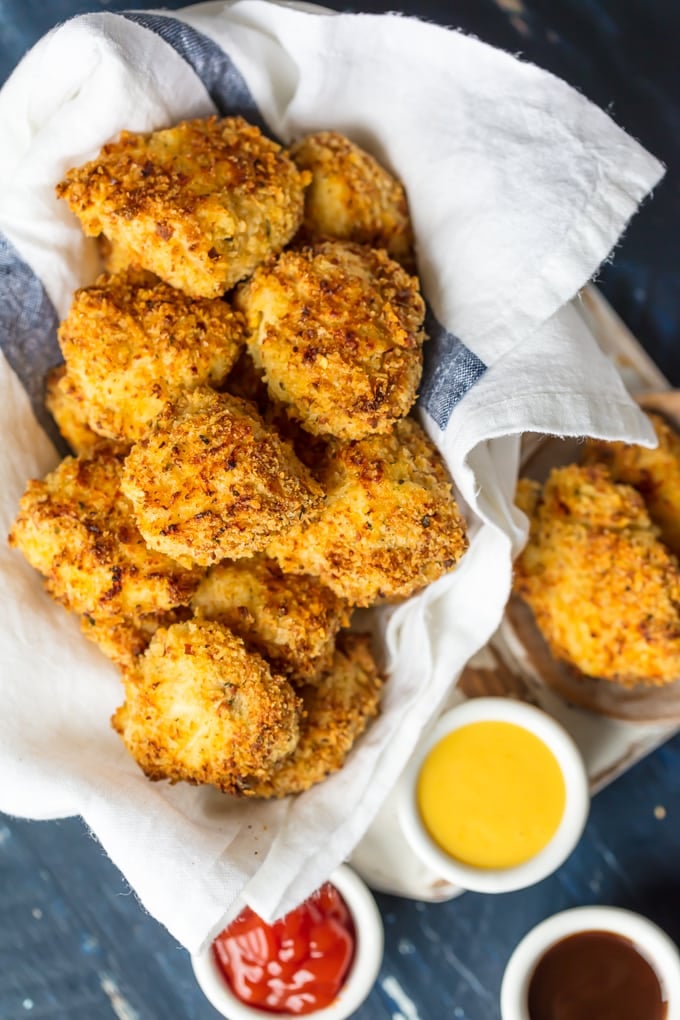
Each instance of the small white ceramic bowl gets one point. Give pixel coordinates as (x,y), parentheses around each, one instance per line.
(653,943)
(570,760)
(368,953)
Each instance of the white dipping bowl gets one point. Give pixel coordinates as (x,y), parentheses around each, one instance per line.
(569,831)
(368,953)
(651,942)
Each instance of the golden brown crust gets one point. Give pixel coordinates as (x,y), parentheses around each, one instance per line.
(132,344)
(76,528)
(338,331)
(210,481)
(390,525)
(352,197)
(604,590)
(200,204)
(654,473)
(68,407)
(336,712)
(123,639)
(200,708)
(291,620)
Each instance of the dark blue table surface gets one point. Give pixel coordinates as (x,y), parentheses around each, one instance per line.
(75,944)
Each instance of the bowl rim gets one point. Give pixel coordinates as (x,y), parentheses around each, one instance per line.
(649,939)
(569,831)
(368,954)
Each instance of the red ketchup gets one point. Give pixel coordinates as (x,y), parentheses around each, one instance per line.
(296,965)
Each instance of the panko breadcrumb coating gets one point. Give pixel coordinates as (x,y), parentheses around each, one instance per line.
(352,197)
(123,639)
(338,331)
(336,713)
(291,620)
(76,528)
(390,526)
(654,473)
(200,708)
(68,407)
(210,481)
(200,204)
(604,590)
(132,343)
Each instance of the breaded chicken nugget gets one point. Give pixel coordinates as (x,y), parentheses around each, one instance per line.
(132,343)
(352,197)
(291,620)
(76,528)
(336,713)
(604,590)
(200,204)
(338,331)
(116,258)
(654,473)
(390,526)
(68,407)
(210,481)
(123,639)
(200,708)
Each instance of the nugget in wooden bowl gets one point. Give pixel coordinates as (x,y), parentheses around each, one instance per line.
(132,343)
(338,331)
(200,204)
(210,481)
(352,197)
(200,708)
(292,620)
(390,525)
(76,527)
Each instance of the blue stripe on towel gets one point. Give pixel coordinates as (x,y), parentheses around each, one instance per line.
(28,331)
(223,82)
(450,370)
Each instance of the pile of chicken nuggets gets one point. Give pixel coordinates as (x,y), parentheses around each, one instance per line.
(235,390)
(600,570)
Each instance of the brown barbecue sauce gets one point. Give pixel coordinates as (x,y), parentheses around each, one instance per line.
(595,975)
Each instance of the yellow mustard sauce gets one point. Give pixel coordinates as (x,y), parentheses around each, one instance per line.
(491,794)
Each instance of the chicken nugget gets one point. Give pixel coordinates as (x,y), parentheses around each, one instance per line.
(200,708)
(123,639)
(654,473)
(604,590)
(68,407)
(390,525)
(132,343)
(210,481)
(338,331)
(352,197)
(200,204)
(116,258)
(76,527)
(291,620)
(336,712)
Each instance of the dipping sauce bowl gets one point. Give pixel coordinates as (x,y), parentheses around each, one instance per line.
(497,796)
(368,937)
(593,963)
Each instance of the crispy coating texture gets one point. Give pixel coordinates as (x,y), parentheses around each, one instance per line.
(291,620)
(336,713)
(210,481)
(132,344)
(200,708)
(76,527)
(200,204)
(654,473)
(352,197)
(338,331)
(123,639)
(390,526)
(604,590)
(68,407)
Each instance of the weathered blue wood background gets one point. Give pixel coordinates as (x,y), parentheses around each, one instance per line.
(74,943)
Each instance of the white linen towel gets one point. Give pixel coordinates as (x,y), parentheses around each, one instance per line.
(518,188)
